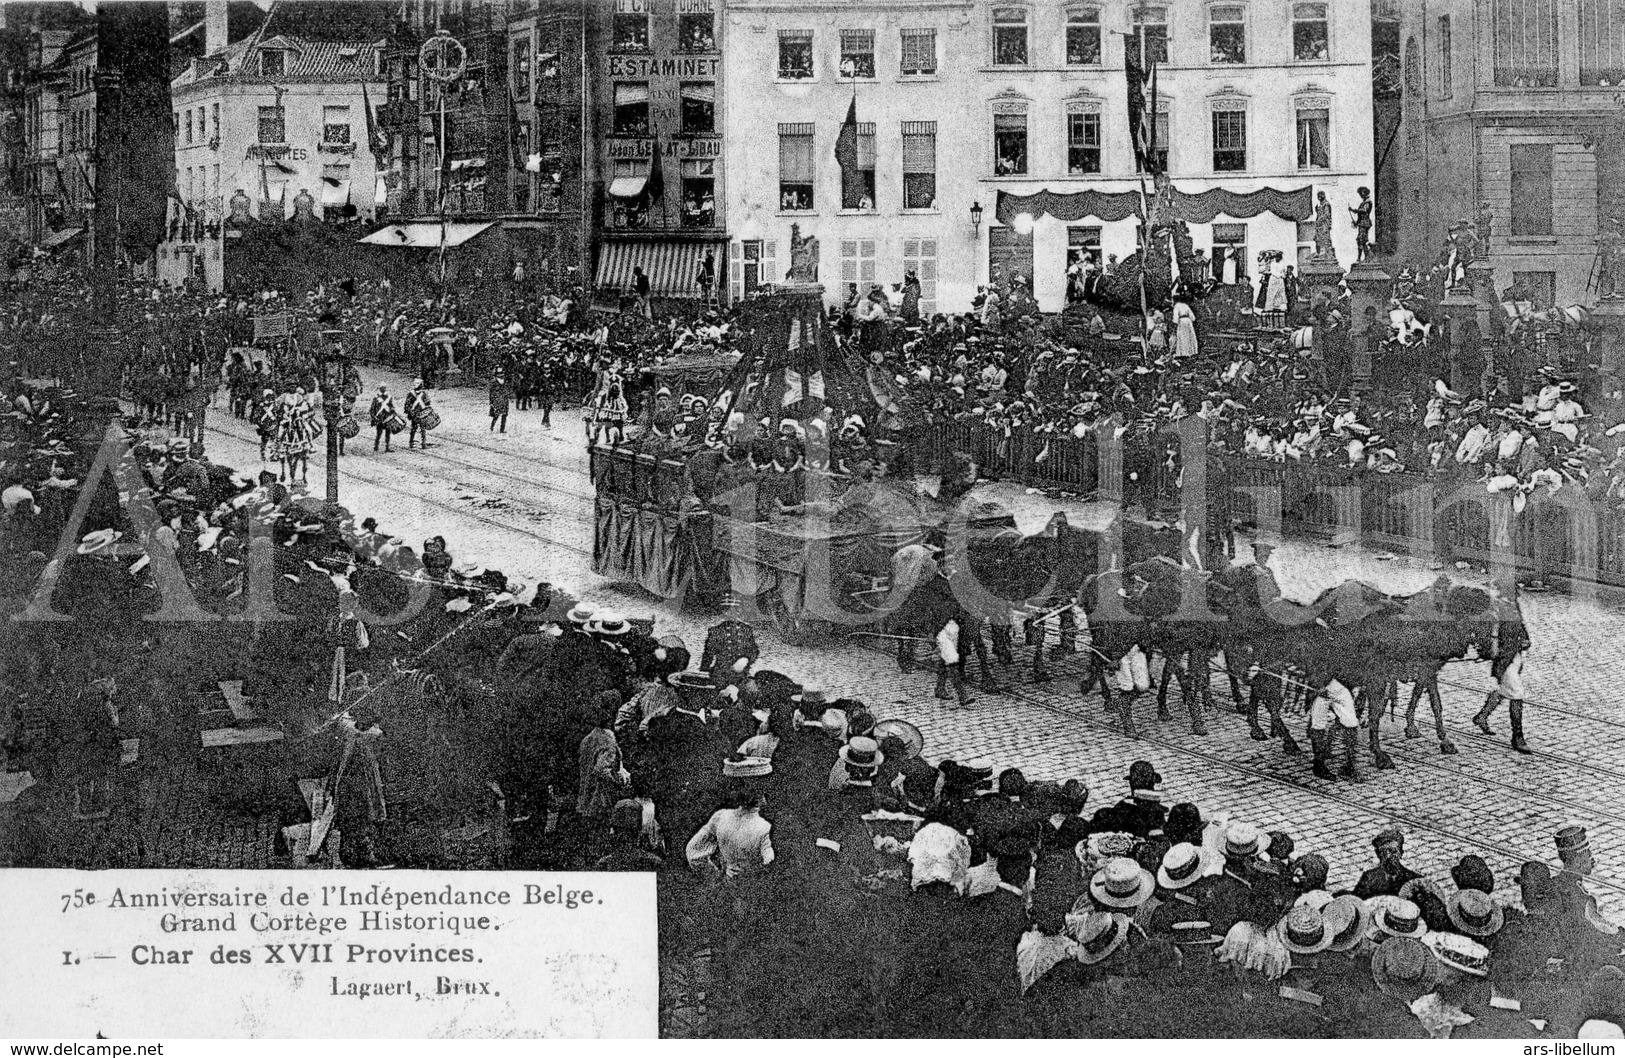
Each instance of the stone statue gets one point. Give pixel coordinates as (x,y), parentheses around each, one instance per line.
(239,207)
(1463,245)
(1486,223)
(1361,212)
(1611,261)
(1323,229)
(304,206)
(803,257)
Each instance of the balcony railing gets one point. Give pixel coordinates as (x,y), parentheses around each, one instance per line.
(1526,76)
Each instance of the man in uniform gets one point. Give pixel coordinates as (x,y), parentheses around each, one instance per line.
(729,652)
(1390,874)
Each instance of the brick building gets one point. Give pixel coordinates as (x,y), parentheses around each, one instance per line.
(513,175)
(1514,103)
(656,72)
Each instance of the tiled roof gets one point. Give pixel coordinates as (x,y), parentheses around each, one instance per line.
(305,59)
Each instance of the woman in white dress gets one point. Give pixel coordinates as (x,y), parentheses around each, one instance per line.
(1184,329)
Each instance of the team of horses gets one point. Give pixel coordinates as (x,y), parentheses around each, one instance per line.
(1139,603)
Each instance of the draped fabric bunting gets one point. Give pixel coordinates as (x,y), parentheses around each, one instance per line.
(1198,208)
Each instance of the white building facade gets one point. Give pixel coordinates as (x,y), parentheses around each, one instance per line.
(280,122)
(960,103)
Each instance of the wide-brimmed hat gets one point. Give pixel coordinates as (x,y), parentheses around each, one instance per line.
(690,679)
(580,615)
(100,540)
(909,736)
(1304,931)
(1242,840)
(1404,968)
(1399,918)
(1122,883)
(1347,919)
(862,752)
(1459,953)
(1098,934)
(1182,866)
(1474,913)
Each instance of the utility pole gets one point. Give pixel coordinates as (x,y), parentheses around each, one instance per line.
(135,165)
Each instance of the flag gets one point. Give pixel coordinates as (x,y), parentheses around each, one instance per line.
(375,143)
(797,387)
(1142,120)
(846,155)
(655,186)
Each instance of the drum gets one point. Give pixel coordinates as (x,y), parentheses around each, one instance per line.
(429,420)
(394,424)
(348,427)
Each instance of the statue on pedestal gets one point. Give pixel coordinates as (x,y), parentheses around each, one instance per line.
(239,208)
(1485,223)
(803,257)
(1361,213)
(304,206)
(1323,229)
(1462,243)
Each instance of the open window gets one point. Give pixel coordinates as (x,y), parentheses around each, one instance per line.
(699,108)
(699,194)
(631,108)
(1083,36)
(629,29)
(696,21)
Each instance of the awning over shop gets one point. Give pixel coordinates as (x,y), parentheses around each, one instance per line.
(424,235)
(335,193)
(673,268)
(627,186)
(53,239)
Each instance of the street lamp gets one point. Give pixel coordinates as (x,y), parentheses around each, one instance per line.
(335,369)
(975,216)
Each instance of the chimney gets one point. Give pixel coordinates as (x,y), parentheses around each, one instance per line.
(214,27)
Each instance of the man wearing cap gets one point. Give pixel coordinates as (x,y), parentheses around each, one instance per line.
(1389,876)
(1528,954)
(1579,906)
(1141,812)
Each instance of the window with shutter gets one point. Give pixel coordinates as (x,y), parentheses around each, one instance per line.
(797,167)
(736,270)
(919,164)
(919,53)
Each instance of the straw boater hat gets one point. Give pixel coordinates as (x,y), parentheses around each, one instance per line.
(1182,866)
(912,739)
(581,615)
(1347,919)
(1459,953)
(608,623)
(99,540)
(1474,913)
(1242,840)
(1399,918)
(862,753)
(740,766)
(1122,883)
(1404,968)
(1304,931)
(1098,934)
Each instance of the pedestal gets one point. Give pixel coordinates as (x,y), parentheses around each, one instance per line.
(1460,308)
(1609,318)
(1371,288)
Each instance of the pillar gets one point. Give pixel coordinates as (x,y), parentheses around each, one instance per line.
(1371,289)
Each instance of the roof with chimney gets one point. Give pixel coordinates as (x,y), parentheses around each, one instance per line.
(303,60)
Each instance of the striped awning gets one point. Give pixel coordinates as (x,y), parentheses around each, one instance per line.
(424,235)
(673,268)
(53,239)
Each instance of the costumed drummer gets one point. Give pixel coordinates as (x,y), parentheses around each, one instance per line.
(419,409)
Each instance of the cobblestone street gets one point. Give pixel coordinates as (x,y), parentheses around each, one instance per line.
(521,502)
